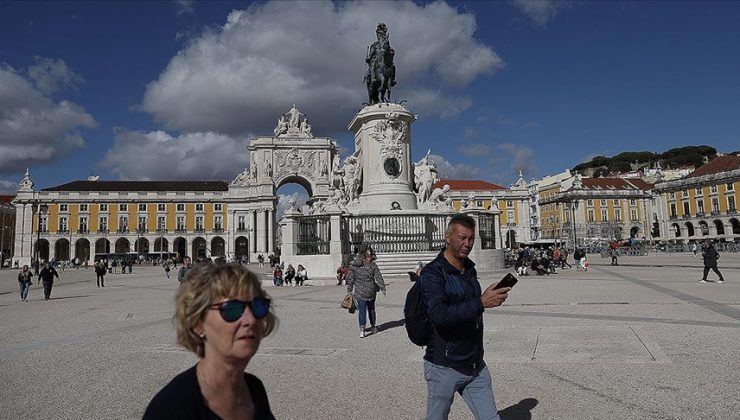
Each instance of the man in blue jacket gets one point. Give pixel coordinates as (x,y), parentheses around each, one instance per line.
(454,356)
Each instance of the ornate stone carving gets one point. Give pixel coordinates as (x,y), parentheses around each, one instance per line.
(425,176)
(295,162)
(290,124)
(243,179)
(26,184)
(391,133)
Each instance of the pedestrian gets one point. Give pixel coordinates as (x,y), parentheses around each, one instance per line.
(693,248)
(453,361)
(342,273)
(183,271)
(289,275)
(710,255)
(277,276)
(364,281)
(261,260)
(46,276)
(221,314)
(25,280)
(166,266)
(301,275)
(564,258)
(115,266)
(100,274)
(614,252)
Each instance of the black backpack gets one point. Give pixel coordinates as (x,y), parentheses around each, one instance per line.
(418,327)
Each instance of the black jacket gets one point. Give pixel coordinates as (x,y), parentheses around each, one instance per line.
(454,307)
(711,256)
(48,274)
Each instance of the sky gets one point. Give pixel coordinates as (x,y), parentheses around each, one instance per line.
(175,90)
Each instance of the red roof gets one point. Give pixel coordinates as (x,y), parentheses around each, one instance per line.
(6,198)
(615,184)
(467,184)
(719,164)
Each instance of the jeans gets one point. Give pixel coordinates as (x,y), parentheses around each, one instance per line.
(713,268)
(24,290)
(370,306)
(100,280)
(476,390)
(47,289)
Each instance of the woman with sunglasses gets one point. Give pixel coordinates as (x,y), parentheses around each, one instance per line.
(221,315)
(364,281)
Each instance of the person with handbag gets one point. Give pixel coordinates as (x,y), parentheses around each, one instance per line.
(364,281)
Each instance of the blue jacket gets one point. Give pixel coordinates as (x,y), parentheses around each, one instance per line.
(454,307)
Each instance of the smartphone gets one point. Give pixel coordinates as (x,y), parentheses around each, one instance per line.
(508,281)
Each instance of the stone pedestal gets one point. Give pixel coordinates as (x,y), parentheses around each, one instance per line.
(383,143)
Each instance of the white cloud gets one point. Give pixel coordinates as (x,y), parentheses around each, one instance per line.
(184,7)
(541,11)
(446,169)
(241,76)
(157,155)
(8,187)
(521,158)
(35,129)
(300,198)
(50,75)
(477,149)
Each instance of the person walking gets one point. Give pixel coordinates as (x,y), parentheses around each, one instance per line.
(46,276)
(710,255)
(564,258)
(183,271)
(342,274)
(166,266)
(261,260)
(364,281)
(453,361)
(25,280)
(100,274)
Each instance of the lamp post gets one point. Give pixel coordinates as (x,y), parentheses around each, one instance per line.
(573,216)
(41,209)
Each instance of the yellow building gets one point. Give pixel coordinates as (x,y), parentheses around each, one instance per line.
(702,205)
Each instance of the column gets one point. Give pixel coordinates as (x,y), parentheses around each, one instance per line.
(260,230)
(271,230)
(230,231)
(23,243)
(497,228)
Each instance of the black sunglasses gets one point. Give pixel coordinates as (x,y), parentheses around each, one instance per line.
(232,310)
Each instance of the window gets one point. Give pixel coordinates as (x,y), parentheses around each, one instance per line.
(103,207)
(686,210)
(123,207)
(161,223)
(479,203)
(43,224)
(731,203)
(63,226)
(217,223)
(715,205)
(673,209)
(730,186)
(713,189)
(590,215)
(180,207)
(142,207)
(161,207)
(199,223)
(142,224)
(510,217)
(63,207)
(604,216)
(199,207)
(240,223)
(83,207)
(633,215)
(699,207)
(180,223)
(509,203)
(123,223)
(633,202)
(672,194)
(698,191)
(603,203)
(685,194)
(103,224)
(618,215)
(616,202)
(218,207)
(83,224)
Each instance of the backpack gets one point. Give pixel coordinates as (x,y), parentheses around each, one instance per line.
(418,327)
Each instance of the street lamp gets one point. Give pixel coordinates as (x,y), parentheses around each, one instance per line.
(573,216)
(41,210)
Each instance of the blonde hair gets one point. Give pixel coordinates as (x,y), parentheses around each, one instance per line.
(205,284)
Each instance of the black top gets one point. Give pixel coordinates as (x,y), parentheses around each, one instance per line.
(181,399)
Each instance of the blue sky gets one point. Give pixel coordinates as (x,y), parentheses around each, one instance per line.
(174,90)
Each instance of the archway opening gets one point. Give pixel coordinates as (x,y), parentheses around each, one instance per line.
(61,250)
(180,247)
(102,248)
(161,245)
(41,249)
(82,250)
(199,248)
(218,247)
(141,246)
(634,232)
(123,246)
(295,190)
(689,229)
(735,226)
(676,230)
(510,239)
(241,249)
(704,228)
(720,227)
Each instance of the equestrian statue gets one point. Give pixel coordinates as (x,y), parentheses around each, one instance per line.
(381,72)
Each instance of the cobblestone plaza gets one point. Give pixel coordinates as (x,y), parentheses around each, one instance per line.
(642,340)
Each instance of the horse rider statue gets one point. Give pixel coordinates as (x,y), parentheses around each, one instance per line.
(381,72)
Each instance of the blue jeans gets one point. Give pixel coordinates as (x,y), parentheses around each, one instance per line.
(476,390)
(24,290)
(370,306)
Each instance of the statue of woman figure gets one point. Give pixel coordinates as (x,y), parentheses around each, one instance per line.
(306,127)
(282,126)
(294,116)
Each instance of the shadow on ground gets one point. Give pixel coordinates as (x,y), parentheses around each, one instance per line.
(520,411)
(390,325)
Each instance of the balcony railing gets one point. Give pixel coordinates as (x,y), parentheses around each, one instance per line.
(715,212)
(218,230)
(142,230)
(122,230)
(199,230)
(180,230)
(700,214)
(103,231)
(162,231)
(83,231)
(731,210)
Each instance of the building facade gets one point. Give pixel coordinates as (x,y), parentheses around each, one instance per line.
(7,230)
(701,205)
